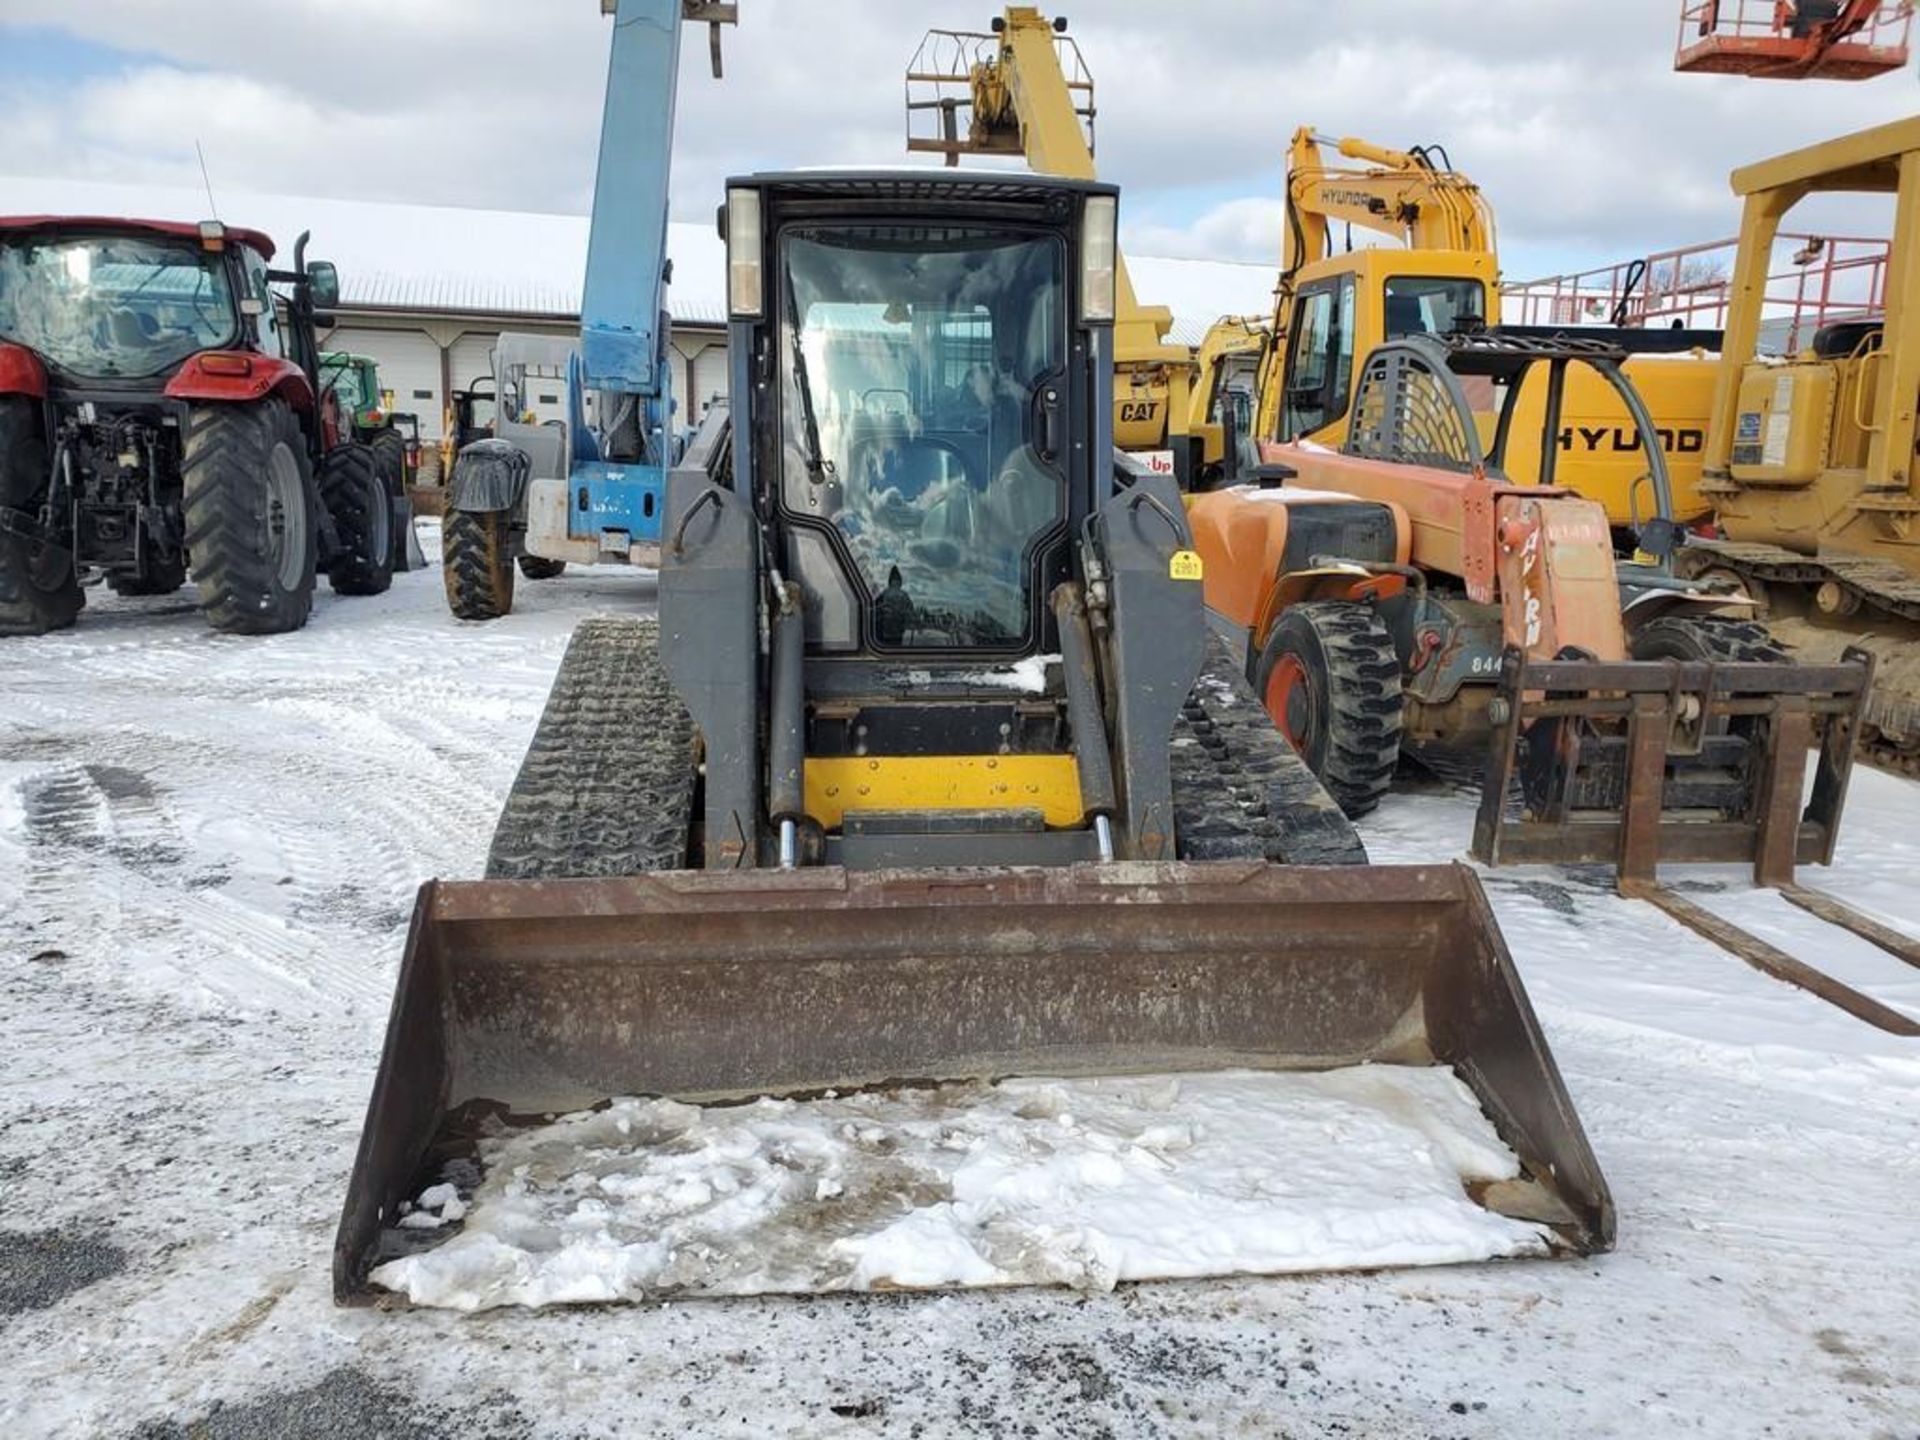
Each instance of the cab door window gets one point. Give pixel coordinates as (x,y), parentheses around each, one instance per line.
(1320,365)
(267,322)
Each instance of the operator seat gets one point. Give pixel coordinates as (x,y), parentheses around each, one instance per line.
(1405,317)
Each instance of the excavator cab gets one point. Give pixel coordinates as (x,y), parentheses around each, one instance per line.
(929,773)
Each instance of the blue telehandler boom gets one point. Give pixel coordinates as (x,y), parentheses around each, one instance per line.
(589,489)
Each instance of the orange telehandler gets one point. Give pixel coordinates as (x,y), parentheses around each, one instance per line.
(1417,589)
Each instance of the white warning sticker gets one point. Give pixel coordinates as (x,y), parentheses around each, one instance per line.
(1779,421)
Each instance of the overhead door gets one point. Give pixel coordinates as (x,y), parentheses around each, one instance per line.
(709,379)
(472,358)
(409,363)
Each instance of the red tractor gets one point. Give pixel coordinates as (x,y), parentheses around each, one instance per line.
(160,415)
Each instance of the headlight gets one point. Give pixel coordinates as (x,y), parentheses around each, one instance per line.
(1099,247)
(744,279)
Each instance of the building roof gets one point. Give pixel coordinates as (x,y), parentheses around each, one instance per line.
(426,258)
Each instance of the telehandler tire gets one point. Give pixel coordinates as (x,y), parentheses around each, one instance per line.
(538,567)
(1330,679)
(1675,637)
(38,589)
(250,517)
(1712,639)
(476,550)
(362,515)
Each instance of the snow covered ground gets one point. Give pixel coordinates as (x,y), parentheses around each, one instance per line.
(208,847)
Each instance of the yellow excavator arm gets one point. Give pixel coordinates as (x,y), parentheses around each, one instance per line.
(1400,193)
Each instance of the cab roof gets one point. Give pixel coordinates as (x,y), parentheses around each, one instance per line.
(920,183)
(252,239)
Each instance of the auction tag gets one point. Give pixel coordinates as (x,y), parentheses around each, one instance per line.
(1186,565)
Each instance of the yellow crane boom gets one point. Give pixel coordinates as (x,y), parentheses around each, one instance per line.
(1024,90)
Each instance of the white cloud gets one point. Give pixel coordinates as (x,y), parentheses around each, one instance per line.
(1566,113)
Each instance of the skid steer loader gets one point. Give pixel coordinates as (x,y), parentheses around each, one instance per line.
(930,770)
(1417,590)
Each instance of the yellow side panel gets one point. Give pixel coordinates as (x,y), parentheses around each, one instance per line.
(1599,449)
(1781,427)
(1047,783)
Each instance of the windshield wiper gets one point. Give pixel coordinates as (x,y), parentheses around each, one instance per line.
(819,468)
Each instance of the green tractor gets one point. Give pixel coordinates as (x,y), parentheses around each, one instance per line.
(394,439)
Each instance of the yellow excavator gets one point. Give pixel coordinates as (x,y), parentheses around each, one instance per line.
(1333,308)
(1024,90)
(1810,460)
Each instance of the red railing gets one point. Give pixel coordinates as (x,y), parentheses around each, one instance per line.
(1815,280)
(1792,39)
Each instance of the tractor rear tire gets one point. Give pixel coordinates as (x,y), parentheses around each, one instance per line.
(161,577)
(251,517)
(38,589)
(476,548)
(362,520)
(389,449)
(1330,679)
(538,567)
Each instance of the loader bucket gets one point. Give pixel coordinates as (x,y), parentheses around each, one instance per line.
(528,998)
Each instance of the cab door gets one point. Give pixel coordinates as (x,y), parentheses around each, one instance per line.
(1319,381)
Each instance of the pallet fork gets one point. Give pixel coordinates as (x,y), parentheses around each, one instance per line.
(1617,762)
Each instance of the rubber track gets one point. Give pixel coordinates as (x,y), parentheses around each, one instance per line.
(224,468)
(607,785)
(1363,744)
(1277,797)
(479,579)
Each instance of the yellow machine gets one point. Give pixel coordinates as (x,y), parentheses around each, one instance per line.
(1331,310)
(1228,364)
(1024,90)
(1810,462)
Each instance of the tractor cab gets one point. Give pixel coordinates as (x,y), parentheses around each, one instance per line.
(125,301)
(355,381)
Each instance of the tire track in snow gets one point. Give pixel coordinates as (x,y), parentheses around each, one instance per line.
(104,852)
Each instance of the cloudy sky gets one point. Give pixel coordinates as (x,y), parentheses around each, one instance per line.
(1566,111)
